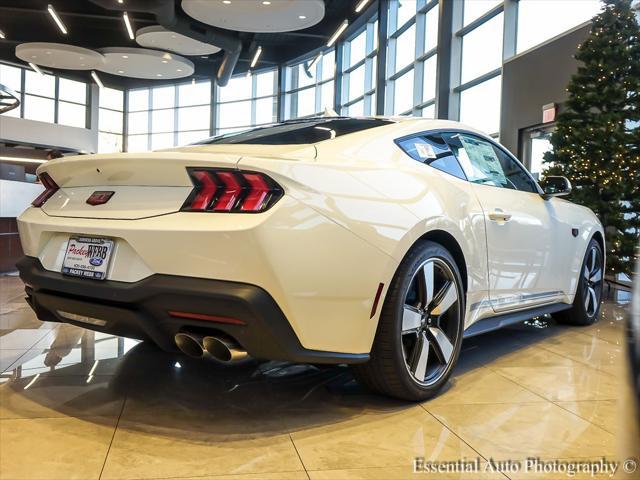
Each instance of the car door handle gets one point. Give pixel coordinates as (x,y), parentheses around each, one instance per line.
(499,215)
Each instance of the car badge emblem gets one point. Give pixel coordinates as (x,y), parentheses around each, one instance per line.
(99,198)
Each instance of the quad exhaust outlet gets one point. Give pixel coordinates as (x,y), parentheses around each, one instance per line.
(222,349)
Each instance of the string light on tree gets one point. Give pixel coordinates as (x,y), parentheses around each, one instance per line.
(597,140)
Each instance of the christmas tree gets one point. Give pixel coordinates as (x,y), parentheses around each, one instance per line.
(597,141)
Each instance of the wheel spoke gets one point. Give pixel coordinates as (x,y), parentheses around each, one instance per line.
(444,347)
(420,356)
(446,299)
(592,260)
(587,300)
(596,276)
(586,274)
(594,299)
(428,281)
(411,319)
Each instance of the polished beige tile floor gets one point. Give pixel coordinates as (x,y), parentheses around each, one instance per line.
(83,405)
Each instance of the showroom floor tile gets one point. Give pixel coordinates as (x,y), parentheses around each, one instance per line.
(79,404)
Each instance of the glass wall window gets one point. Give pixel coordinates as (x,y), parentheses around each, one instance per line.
(480,106)
(247,101)
(309,86)
(359,72)
(47,98)
(412,57)
(12,77)
(482,49)
(540,20)
(110,120)
(474,9)
(481,65)
(168,116)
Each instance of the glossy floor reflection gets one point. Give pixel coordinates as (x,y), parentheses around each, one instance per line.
(78,404)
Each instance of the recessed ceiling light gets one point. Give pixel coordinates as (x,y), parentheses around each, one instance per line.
(120,71)
(125,56)
(165,61)
(35,68)
(120,1)
(158,74)
(178,69)
(57,19)
(96,78)
(302,17)
(226,2)
(343,26)
(266,2)
(256,56)
(361,5)
(127,23)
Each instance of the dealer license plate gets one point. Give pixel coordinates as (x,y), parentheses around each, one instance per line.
(87,257)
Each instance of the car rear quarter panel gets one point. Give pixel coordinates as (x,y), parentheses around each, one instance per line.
(372,188)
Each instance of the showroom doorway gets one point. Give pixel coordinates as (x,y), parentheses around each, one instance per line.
(534,143)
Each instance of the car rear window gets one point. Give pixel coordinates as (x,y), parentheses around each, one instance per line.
(298,131)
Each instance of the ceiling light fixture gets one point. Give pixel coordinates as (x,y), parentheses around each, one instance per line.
(127,23)
(57,19)
(302,17)
(36,68)
(96,79)
(361,5)
(120,1)
(315,60)
(266,2)
(256,56)
(2,36)
(21,160)
(226,2)
(343,26)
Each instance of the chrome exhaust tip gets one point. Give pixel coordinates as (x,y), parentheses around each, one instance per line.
(190,344)
(223,349)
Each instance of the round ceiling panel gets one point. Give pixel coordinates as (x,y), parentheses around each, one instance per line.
(262,16)
(59,55)
(144,63)
(160,38)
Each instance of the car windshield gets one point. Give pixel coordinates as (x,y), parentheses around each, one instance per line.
(295,132)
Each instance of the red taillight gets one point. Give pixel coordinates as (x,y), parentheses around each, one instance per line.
(50,188)
(231,191)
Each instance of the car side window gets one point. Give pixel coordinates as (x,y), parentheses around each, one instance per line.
(432,150)
(485,163)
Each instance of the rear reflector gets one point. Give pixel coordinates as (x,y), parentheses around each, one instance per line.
(232,191)
(376,299)
(208,318)
(50,188)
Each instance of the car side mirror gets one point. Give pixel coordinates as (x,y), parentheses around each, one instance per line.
(555,187)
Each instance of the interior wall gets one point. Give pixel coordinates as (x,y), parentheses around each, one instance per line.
(535,78)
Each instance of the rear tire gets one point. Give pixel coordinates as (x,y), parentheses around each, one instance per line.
(420,330)
(586,305)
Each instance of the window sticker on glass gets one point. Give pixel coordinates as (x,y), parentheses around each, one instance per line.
(484,162)
(425,150)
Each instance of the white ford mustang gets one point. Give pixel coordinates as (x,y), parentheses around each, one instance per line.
(375,242)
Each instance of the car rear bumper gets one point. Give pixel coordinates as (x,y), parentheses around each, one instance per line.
(141,310)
